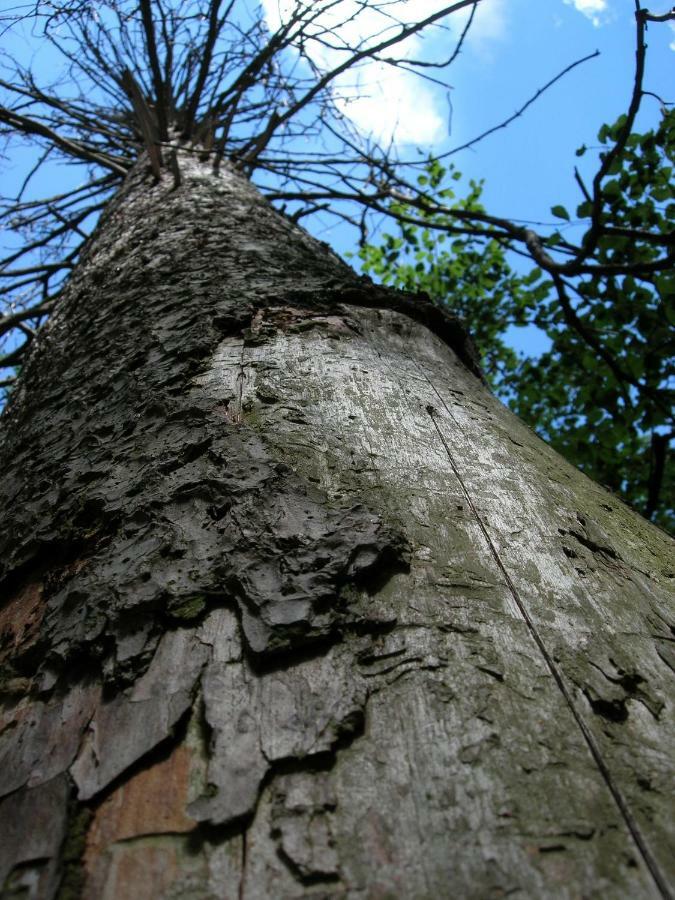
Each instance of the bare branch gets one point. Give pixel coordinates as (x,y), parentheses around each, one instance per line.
(153,59)
(73,148)
(519,112)
(146,123)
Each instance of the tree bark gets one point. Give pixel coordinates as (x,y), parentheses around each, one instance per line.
(294,607)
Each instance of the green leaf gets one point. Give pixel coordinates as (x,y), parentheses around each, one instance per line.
(560,212)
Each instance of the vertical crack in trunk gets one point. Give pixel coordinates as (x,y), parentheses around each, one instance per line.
(659,878)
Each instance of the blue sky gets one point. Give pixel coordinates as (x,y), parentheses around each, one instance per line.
(529,166)
(515,47)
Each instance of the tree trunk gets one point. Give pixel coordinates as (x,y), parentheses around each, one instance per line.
(294,607)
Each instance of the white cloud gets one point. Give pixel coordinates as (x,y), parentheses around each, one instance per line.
(490,23)
(598,11)
(382,101)
(388,103)
(672,43)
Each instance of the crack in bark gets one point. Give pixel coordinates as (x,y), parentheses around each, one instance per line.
(654,869)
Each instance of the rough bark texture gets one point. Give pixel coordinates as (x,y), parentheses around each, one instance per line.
(293,607)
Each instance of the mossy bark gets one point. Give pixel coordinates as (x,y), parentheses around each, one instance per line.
(294,607)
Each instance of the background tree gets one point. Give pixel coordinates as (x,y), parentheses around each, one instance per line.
(602,394)
(292,605)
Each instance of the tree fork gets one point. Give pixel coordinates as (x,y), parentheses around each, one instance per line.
(292,605)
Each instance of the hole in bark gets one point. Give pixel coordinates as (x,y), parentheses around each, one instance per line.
(216,513)
(306,878)
(229,324)
(387,562)
(612,710)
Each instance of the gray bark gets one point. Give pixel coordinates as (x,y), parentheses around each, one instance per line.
(294,607)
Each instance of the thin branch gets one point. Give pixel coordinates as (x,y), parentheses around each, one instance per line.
(8,321)
(616,151)
(518,113)
(145,121)
(72,148)
(207,56)
(153,59)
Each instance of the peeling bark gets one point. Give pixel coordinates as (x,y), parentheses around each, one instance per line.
(292,606)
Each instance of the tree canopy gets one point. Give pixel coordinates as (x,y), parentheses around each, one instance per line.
(170,78)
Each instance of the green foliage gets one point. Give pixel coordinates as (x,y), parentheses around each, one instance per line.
(604,418)
(468,273)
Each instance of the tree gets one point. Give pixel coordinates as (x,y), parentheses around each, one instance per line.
(292,605)
(602,394)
